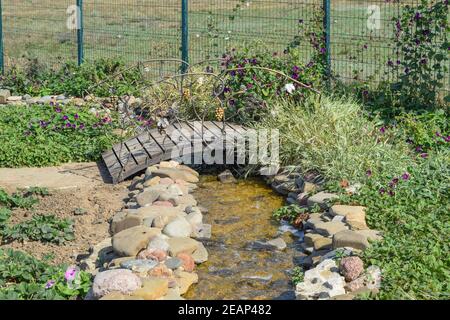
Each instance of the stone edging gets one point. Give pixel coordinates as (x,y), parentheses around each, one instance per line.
(333,239)
(152,253)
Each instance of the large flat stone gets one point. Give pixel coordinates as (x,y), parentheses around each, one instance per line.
(355,216)
(182,245)
(328,229)
(321,199)
(175,174)
(152,288)
(349,238)
(130,241)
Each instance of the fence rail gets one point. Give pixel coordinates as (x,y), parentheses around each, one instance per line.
(55,31)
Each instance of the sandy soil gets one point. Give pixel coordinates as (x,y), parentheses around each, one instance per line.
(73,187)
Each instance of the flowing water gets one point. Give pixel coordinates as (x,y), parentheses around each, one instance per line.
(241,214)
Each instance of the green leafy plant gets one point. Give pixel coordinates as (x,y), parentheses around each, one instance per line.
(297,275)
(44,228)
(288,213)
(25,277)
(16,200)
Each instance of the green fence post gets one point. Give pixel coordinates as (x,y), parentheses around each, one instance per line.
(2,61)
(80,31)
(327,34)
(184,35)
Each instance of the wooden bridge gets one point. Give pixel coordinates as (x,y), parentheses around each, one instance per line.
(153,146)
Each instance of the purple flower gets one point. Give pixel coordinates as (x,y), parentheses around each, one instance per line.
(417,16)
(438,134)
(447,139)
(369,173)
(70,274)
(49,284)
(68,125)
(76,116)
(382,191)
(395,181)
(405,176)
(58,110)
(300,21)
(424,155)
(81,126)
(391,193)
(382,129)
(65,117)
(419,149)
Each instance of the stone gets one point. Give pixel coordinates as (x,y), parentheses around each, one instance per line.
(202,232)
(154,254)
(174,263)
(175,174)
(159,243)
(166,181)
(188,169)
(310,187)
(262,276)
(188,262)
(195,218)
(355,285)
(356,220)
(351,268)
(172,294)
(373,277)
(328,229)
(163,203)
(168,164)
(14,98)
(162,221)
(226,177)
(119,296)
(186,200)
(123,221)
(132,240)
(4,95)
(167,196)
(343,297)
(322,243)
(338,219)
(175,190)
(99,254)
(200,255)
(344,210)
(321,199)
(185,280)
(178,228)
(371,235)
(152,288)
(278,243)
(152,182)
(349,238)
(119,280)
(179,245)
(161,270)
(309,238)
(146,198)
(139,265)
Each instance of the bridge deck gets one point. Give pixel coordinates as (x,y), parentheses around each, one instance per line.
(153,146)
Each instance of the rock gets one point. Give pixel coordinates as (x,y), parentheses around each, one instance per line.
(338,219)
(341,252)
(200,255)
(168,164)
(161,270)
(119,296)
(152,182)
(185,201)
(310,187)
(146,198)
(139,265)
(179,245)
(119,280)
(154,254)
(163,203)
(328,229)
(321,282)
(173,263)
(166,181)
(322,243)
(162,221)
(348,238)
(356,219)
(355,285)
(226,177)
(321,199)
(371,235)
(195,219)
(278,243)
(309,239)
(130,241)
(175,174)
(100,253)
(188,262)
(115,263)
(122,221)
(173,294)
(4,95)
(175,190)
(158,243)
(343,297)
(373,277)
(262,276)
(188,169)
(202,232)
(185,280)
(152,289)
(178,228)
(14,99)
(351,268)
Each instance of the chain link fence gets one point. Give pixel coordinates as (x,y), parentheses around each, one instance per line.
(361,32)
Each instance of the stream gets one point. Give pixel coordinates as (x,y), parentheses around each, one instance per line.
(237,268)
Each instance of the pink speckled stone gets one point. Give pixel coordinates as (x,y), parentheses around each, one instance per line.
(163,203)
(351,268)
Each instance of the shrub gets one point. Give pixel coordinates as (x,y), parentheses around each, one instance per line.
(332,136)
(42,135)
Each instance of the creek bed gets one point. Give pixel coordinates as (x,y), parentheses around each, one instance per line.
(240,214)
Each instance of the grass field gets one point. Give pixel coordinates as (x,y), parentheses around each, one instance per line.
(140,30)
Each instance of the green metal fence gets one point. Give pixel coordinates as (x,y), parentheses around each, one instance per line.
(359,32)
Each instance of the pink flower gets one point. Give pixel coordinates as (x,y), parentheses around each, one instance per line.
(70,274)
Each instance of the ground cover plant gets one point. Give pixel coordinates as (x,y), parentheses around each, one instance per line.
(23,277)
(44,135)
